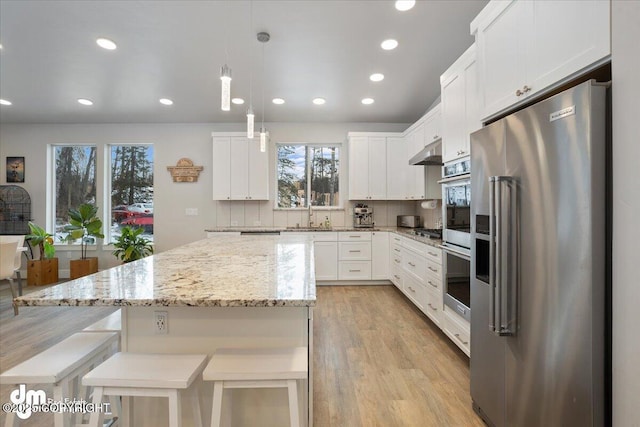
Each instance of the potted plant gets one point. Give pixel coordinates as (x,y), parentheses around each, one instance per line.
(42,271)
(131,246)
(83,225)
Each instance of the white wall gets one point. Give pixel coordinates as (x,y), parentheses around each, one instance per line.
(172,142)
(626,207)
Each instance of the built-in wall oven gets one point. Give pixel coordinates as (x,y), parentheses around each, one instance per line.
(456,236)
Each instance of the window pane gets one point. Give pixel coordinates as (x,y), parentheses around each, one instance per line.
(131,169)
(75,178)
(292,167)
(324,176)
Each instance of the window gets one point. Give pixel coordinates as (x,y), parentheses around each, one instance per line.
(131,188)
(74,183)
(308,174)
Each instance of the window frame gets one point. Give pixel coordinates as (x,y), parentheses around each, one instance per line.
(50,188)
(339,146)
(108,180)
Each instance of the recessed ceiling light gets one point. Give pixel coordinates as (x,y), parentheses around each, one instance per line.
(389,44)
(84,101)
(106,44)
(278,101)
(376,77)
(166,101)
(367,101)
(238,101)
(5,102)
(319,101)
(404,5)
(0,46)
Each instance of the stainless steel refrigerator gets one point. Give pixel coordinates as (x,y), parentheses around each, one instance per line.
(538,263)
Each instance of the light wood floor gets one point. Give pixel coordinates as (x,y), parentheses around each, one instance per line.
(378,361)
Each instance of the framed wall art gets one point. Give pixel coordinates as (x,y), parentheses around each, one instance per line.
(15,169)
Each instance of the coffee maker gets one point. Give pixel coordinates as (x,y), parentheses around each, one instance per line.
(362,216)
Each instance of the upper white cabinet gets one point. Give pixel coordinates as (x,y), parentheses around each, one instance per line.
(526,47)
(432,126)
(404,181)
(367,167)
(460,115)
(240,170)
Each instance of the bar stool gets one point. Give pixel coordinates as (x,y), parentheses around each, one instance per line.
(257,368)
(152,375)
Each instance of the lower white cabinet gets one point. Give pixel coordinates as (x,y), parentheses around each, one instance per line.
(415,291)
(379,255)
(326,260)
(457,328)
(354,270)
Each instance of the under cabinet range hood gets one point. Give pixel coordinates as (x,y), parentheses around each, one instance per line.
(431,155)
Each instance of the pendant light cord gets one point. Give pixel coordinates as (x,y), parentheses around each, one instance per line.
(250,67)
(263,85)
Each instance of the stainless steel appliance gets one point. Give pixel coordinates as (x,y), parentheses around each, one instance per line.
(431,155)
(456,264)
(538,261)
(456,203)
(362,216)
(408,221)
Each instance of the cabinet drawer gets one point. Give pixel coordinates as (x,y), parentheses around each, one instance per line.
(354,251)
(396,251)
(415,290)
(457,330)
(396,275)
(414,265)
(354,270)
(325,236)
(395,239)
(433,284)
(354,236)
(420,248)
(434,254)
(433,269)
(433,307)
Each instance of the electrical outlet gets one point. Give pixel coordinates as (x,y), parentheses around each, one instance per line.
(161,322)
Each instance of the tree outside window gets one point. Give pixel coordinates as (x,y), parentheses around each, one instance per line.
(308,174)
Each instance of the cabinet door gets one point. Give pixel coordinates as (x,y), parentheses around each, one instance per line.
(258,180)
(221,169)
(566,37)
(501,47)
(239,160)
(397,168)
(473,120)
(415,182)
(377,168)
(326,260)
(380,255)
(358,168)
(432,125)
(453,117)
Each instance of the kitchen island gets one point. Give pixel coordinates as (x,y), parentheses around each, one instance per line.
(234,291)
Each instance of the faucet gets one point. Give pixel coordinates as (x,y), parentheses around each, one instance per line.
(310,223)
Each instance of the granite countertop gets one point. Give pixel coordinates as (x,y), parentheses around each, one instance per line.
(229,271)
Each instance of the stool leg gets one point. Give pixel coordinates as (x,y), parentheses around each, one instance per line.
(127,415)
(216,408)
(61,419)
(175,409)
(97,418)
(19,282)
(294,411)
(14,296)
(195,402)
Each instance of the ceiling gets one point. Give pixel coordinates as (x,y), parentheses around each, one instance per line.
(175,49)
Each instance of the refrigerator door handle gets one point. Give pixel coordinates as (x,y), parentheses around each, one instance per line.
(505,255)
(493,241)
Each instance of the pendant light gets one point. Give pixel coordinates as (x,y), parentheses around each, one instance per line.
(263,38)
(225,78)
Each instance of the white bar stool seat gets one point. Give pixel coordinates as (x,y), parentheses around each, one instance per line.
(110,323)
(60,366)
(257,368)
(152,375)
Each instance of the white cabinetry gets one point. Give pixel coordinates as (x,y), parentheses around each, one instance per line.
(379,255)
(460,115)
(367,168)
(527,47)
(432,126)
(354,256)
(404,181)
(457,329)
(240,170)
(326,259)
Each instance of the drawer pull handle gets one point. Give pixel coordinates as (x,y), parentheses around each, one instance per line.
(411,289)
(411,264)
(354,271)
(397,250)
(431,283)
(432,307)
(397,260)
(460,339)
(433,269)
(353,250)
(432,254)
(396,276)
(355,237)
